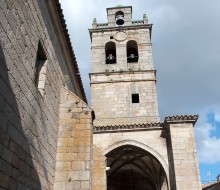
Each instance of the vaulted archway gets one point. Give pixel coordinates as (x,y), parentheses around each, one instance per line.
(133,168)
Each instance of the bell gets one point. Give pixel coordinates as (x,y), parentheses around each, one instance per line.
(120,20)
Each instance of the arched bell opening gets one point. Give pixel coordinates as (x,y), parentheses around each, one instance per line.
(132,51)
(110,53)
(119,18)
(132,168)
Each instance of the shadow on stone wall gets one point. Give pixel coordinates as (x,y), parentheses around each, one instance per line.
(17,169)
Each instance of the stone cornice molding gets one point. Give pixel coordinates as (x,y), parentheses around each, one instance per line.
(127,128)
(181,119)
(147,126)
(124,72)
(119,7)
(119,81)
(120,28)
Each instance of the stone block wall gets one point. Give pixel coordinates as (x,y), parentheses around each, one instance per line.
(112,85)
(111,15)
(98,170)
(28,121)
(74,151)
(141,36)
(112,99)
(183,164)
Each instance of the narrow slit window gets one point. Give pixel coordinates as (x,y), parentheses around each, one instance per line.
(40,69)
(135,98)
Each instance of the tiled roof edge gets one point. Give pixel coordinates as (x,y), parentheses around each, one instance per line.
(209,185)
(75,65)
(127,127)
(181,118)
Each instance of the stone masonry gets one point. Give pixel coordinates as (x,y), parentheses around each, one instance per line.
(98,170)
(29,112)
(182,144)
(74,155)
(113,84)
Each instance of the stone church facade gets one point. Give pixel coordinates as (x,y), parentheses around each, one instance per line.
(51,139)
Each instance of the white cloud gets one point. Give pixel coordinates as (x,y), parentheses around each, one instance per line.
(217,116)
(207,144)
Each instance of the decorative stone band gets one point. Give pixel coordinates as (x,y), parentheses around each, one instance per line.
(104,27)
(127,128)
(181,119)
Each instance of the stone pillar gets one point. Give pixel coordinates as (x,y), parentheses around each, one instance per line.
(182,153)
(99,180)
(74,149)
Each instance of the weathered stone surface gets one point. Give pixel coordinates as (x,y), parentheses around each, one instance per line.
(73,159)
(29,113)
(112,85)
(98,171)
(183,157)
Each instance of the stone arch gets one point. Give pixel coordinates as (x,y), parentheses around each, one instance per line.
(145,147)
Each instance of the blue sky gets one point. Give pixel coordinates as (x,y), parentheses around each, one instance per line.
(186,53)
(208,129)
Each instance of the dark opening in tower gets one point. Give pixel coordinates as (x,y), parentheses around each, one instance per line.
(119,18)
(135,98)
(110,53)
(132,51)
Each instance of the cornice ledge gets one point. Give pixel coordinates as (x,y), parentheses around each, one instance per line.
(181,119)
(132,127)
(112,28)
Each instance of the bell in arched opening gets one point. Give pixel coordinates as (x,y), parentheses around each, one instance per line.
(119,18)
(132,52)
(110,53)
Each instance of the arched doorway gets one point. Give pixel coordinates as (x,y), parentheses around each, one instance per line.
(133,168)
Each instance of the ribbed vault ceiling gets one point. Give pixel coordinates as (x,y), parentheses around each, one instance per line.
(133,168)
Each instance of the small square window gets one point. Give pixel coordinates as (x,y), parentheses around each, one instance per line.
(111,37)
(135,98)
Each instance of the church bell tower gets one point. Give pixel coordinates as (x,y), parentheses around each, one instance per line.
(132,149)
(123,79)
